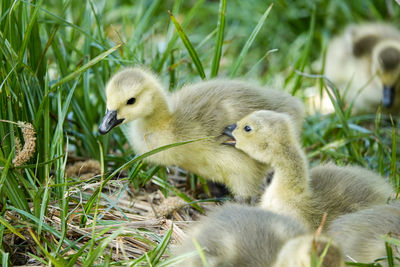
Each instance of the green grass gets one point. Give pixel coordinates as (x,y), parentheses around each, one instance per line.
(56,57)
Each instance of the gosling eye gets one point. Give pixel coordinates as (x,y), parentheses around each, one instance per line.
(131,101)
(247,128)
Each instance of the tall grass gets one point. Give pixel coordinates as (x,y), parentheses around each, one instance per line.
(56,57)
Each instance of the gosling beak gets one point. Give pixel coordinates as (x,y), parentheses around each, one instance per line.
(228,131)
(109,121)
(388,96)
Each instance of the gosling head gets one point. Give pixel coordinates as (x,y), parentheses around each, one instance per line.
(130,95)
(261,133)
(386,64)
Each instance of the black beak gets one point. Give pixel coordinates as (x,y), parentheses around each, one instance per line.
(109,121)
(228,131)
(388,96)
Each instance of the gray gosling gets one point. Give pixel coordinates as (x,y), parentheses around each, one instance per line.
(236,235)
(269,137)
(297,252)
(200,110)
(364,63)
(360,234)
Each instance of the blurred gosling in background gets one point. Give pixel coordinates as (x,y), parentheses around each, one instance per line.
(364,64)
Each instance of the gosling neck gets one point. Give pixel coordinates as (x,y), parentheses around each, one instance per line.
(161,114)
(290,168)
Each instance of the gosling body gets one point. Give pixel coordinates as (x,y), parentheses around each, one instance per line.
(269,137)
(360,233)
(298,250)
(235,235)
(340,190)
(195,111)
(364,63)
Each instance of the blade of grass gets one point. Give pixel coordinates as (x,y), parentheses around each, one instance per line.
(261,60)
(192,52)
(72,261)
(47,46)
(389,253)
(11,228)
(323,254)
(393,164)
(46,227)
(207,38)
(178,259)
(92,241)
(334,96)
(4,171)
(5,79)
(66,22)
(41,164)
(381,156)
(43,206)
(62,113)
(220,39)
(37,258)
(144,21)
(14,193)
(250,41)
(98,20)
(148,260)
(306,53)
(46,146)
(100,248)
(363,264)
(200,251)
(151,174)
(91,63)
(4,258)
(62,195)
(48,255)
(188,18)
(160,249)
(28,31)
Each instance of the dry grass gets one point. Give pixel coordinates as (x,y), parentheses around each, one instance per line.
(143,216)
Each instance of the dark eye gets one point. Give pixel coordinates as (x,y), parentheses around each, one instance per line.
(131,101)
(247,128)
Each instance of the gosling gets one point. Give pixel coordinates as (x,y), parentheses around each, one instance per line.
(269,137)
(364,63)
(195,111)
(236,235)
(298,252)
(360,234)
